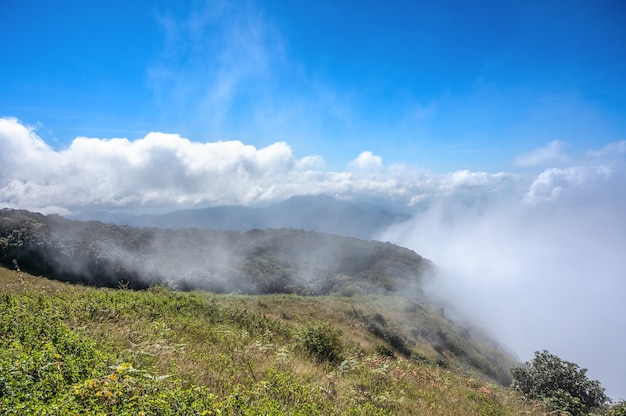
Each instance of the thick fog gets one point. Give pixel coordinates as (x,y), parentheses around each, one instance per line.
(543,267)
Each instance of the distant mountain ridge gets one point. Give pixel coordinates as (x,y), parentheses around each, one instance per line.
(319,213)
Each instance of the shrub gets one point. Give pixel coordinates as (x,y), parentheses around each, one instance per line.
(561,385)
(441,362)
(385,350)
(323,342)
(377,325)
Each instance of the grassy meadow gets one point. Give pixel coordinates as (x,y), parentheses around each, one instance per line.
(75,350)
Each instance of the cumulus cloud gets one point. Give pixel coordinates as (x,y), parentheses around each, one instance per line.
(552,154)
(366,161)
(551,183)
(310,162)
(170,171)
(167,169)
(157,170)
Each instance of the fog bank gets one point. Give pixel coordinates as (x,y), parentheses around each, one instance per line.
(543,274)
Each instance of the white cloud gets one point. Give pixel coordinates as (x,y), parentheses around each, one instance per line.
(310,162)
(465,179)
(160,169)
(611,150)
(552,154)
(167,170)
(366,161)
(553,182)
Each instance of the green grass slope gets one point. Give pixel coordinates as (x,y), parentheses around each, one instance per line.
(73,350)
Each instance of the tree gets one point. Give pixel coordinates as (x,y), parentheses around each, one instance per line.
(561,385)
(617,409)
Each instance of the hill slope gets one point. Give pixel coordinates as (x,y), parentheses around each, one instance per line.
(70,349)
(257,262)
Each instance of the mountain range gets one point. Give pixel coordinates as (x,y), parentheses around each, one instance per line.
(319,213)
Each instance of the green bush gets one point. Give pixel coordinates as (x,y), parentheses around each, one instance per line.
(385,350)
(563,386)
(323,342)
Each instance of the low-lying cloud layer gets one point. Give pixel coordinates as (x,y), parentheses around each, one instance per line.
(541,270)
(535,257)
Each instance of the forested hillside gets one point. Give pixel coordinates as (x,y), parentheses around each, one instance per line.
(257,261)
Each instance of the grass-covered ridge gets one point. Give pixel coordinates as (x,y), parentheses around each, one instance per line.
(69,349)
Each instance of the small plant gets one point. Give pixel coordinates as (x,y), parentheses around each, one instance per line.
(377,325)
(441,362)
(420,358)
(385,350)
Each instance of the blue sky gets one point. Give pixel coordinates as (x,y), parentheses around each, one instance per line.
(445,85)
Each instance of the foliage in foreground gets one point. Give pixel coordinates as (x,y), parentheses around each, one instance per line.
(68,350)
(563,386)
